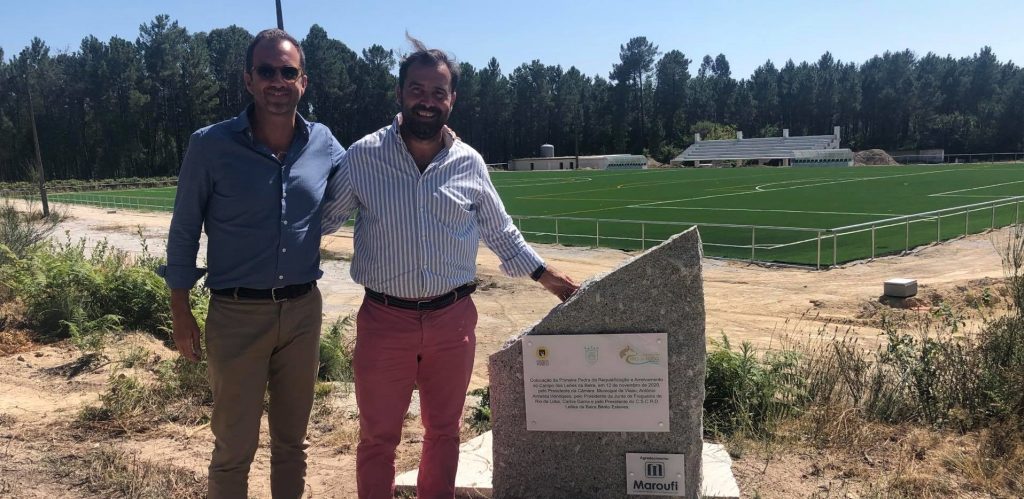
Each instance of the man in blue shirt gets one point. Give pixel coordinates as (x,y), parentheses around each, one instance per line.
(256,183)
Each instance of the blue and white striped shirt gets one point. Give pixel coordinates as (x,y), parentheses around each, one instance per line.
(416,235)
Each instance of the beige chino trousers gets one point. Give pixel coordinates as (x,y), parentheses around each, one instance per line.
(254,346)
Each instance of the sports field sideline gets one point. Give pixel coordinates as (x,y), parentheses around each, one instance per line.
(769,214)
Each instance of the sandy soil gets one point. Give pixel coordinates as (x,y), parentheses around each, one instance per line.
(746,302)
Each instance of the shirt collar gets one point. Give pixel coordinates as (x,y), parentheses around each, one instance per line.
(241,122)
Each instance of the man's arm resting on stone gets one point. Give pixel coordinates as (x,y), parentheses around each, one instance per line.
(557,282)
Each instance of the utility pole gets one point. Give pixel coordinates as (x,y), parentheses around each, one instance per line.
(280,19)
(39,155)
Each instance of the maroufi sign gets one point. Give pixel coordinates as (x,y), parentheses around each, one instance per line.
(654,474)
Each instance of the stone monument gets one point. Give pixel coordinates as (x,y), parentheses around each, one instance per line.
(657,295)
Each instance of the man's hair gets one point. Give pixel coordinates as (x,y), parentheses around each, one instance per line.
(276,35)
(429,57)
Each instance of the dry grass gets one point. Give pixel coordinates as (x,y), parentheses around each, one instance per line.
(342,435)
(857,458)
(15,341)
(326,254)
(109,472)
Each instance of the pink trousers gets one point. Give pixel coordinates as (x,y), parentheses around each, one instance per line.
(397,349)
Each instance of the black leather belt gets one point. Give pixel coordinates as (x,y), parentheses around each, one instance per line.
(436,303)
(277,294)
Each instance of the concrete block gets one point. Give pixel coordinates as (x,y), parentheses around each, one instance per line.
(473,480)
(900,288)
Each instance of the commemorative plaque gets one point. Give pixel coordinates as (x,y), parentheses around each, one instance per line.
(596,382)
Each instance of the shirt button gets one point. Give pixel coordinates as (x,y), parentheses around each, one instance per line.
(284,250)
(280,278)
(284,222)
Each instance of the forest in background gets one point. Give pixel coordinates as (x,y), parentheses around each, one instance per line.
(122,108)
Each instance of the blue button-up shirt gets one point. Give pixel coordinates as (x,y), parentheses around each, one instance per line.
(261,215)
(417,234)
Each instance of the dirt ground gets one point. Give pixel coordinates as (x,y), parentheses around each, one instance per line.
(746,302)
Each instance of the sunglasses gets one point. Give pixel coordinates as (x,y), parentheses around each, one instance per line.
(268,73)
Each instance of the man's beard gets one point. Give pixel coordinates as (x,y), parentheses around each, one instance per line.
(423,128)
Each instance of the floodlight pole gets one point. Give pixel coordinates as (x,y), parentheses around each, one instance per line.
(280,19)
(39,155)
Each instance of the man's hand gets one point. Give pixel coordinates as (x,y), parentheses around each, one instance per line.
(186,330)
(558,283)
(452,132)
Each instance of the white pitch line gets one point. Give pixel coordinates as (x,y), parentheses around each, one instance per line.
(540,182)
(794,181)
(645,184)
(768,211)
(843,181)
(949,193)
(712,196)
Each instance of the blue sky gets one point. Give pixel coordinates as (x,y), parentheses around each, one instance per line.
(584,34)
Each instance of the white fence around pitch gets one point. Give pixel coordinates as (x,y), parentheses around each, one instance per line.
(109,200)
(862,239)
(984,157)
(651,233)
(802,246)
(904,222)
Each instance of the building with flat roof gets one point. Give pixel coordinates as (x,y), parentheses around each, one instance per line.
(548,161)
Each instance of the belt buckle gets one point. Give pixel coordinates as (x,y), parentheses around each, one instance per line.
(273,295)
(421,303)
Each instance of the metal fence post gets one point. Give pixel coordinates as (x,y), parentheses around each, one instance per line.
(907,243)
(967,222)
(643,236)
(556,231)
(993,217)
(753,241)
(872,242)
(817,263)
(597,223)
(835,244)
(938,228)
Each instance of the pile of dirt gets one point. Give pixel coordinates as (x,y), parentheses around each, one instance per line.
(873,157)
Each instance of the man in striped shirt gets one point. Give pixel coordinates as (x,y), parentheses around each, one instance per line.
(424,200)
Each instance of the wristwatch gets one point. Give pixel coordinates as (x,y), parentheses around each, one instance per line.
(535,275)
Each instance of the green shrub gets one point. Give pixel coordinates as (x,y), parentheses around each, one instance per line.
(747,393)
(336,352)
(21,231)
(479,419)
(138,295)
(71,291)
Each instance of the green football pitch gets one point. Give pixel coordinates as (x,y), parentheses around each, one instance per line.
(806,216)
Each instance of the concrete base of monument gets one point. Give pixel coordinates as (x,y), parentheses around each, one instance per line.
(474,477)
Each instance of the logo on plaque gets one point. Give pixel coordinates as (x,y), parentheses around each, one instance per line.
(636,358)
(655,474)
(655,470)
(542,356)
(590,353)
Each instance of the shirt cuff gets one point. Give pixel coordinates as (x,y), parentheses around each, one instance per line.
(522,264)
(180,276)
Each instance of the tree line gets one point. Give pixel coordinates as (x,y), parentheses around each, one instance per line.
(125,108)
